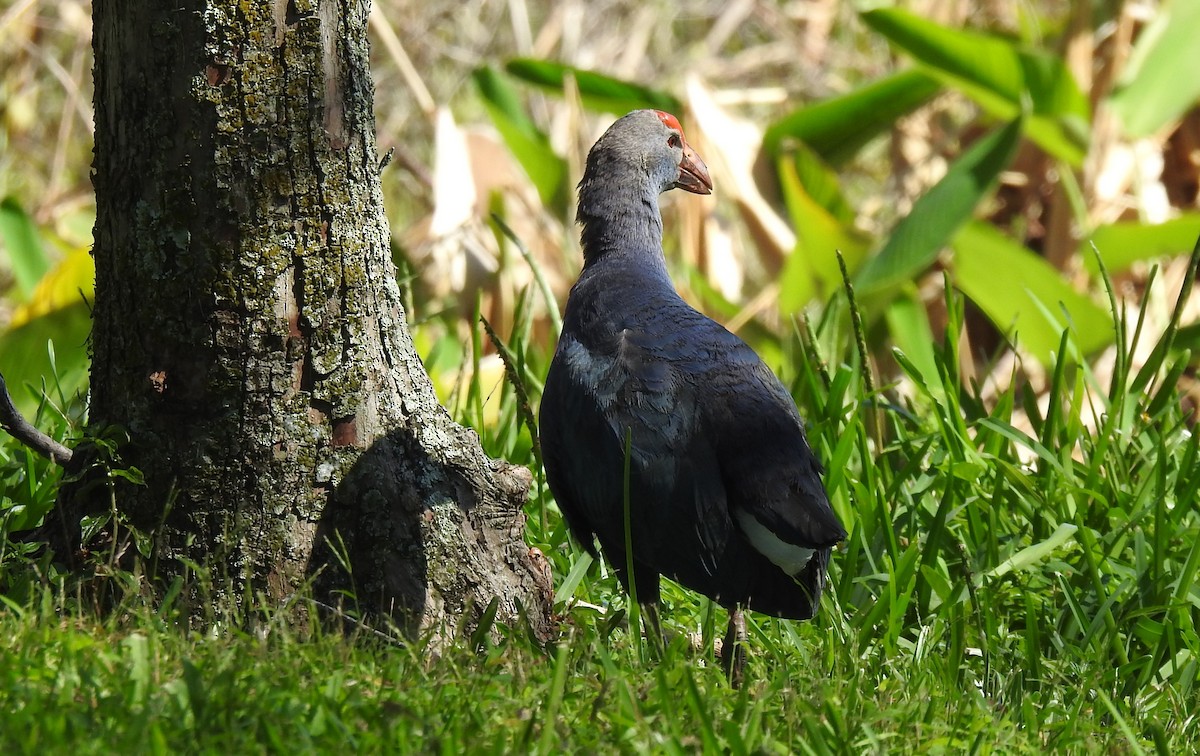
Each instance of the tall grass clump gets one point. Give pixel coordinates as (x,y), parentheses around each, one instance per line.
(1023,563)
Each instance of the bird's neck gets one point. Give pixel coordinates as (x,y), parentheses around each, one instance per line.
(620,220)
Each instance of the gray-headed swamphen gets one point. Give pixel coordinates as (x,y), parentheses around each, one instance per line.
(725,495)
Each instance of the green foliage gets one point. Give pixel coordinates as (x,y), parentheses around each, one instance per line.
(1024,586)
(1151,92)
(52,347)
(598,92)
(47,336)
(1120,245)
(1004,78)
(25,254)
(1018,82)
(28,489)
(102,467)
(528,144)
(547,170)
(1026,293)
(824,225)
(1021,572)
(141,685)
(29,486)
(915,242)
(837,128)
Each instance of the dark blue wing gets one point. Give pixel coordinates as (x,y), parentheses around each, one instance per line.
(592,401)
(721,476)
(767,465)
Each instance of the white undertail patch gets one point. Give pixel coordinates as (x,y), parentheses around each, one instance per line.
(788,557)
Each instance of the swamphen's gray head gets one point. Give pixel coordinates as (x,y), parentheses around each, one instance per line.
(648,145)
(640,156)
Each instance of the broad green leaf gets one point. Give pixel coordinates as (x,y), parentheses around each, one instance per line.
(578,570)
(70,282)
(822,184)
(811,271)
(1024,295)
(599,92)
(57,311)
(1031,555)
(1053,88)
(26,362)
(1159,83)
(837,128)
(24,245)
(1061,119)
(918,238)
(984,59)
(999,75)
(499,94)
(1122,244)
(90,525)
(528,144)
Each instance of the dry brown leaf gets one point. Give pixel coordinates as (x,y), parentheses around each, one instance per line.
(731,147)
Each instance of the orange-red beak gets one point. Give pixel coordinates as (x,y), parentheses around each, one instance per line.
(693,173)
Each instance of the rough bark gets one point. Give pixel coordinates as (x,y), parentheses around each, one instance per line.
(249,332)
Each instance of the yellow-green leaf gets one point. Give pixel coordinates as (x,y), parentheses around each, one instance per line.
(1024,295)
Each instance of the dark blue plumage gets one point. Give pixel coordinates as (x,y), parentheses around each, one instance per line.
(725,494)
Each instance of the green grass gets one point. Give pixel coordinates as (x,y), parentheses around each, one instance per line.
(141,686)
(1002,590)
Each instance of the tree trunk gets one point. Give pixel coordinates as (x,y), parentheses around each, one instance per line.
(249,333)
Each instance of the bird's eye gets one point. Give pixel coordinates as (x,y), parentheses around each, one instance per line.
(674,140)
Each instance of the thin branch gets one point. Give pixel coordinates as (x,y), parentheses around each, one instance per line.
(21,429)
